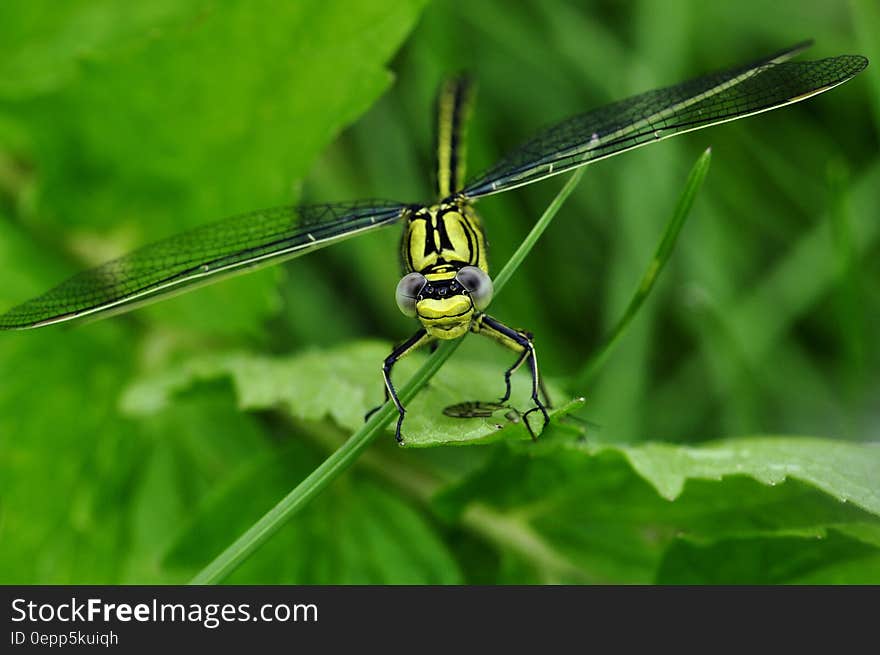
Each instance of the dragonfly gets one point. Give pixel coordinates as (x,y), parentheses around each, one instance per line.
(446,286)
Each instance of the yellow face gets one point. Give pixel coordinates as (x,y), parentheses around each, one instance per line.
(445,303)
(449,316)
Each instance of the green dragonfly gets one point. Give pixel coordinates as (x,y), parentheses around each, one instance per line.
(446,284)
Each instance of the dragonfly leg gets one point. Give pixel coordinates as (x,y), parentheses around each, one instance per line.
(509,372)
(519,341)
(416,341)
(513,369)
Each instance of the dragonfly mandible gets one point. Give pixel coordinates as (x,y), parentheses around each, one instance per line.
(446,284)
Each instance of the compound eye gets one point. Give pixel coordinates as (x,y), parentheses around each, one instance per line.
(478,283)
(407,293)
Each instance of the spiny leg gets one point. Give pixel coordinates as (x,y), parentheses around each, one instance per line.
(419,339)
(519,341)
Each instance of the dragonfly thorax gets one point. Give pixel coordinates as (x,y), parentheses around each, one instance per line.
(442,238)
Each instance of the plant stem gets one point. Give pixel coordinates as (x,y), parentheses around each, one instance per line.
(342,458)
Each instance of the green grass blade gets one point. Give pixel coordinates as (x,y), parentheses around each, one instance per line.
(261,531)
(661,256)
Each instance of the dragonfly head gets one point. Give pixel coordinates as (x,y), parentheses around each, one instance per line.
(445,302)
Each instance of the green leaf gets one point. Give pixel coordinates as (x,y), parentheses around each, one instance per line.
(600,508)
(67,458)
(198,445)
(846,471)
(44,44)
(343,383)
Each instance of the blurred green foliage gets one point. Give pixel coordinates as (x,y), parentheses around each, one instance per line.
(135,449)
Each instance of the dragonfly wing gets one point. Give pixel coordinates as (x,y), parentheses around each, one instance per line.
(708,100)
(200,256)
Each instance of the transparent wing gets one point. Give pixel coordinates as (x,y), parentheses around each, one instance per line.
(715,98)
(199,256)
